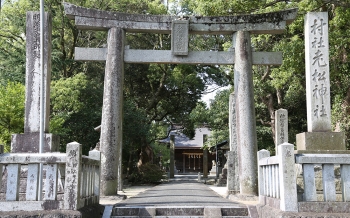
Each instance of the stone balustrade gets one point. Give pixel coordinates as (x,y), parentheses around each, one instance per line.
(277,183)
(329,164)
(75,176)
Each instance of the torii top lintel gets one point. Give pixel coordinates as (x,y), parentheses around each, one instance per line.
(93,19)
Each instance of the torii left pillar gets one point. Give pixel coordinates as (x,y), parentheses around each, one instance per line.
(245,115)
(112,112)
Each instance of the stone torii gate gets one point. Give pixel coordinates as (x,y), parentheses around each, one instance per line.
(115,55)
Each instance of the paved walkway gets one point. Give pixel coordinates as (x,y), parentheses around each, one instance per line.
(177,193)
(181,191)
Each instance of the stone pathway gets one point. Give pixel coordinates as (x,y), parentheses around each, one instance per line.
(182,191)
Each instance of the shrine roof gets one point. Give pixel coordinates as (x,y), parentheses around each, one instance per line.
(184,142)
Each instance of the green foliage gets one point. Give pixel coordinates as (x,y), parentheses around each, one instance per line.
(147,174)
(11,112)
(76,110)
(12,41)
(159,95)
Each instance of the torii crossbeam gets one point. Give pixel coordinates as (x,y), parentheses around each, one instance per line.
(116,55)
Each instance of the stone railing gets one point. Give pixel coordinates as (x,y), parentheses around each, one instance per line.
(70,180)
(277,183)
(330,164)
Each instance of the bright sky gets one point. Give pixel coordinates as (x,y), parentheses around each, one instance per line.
(210,96)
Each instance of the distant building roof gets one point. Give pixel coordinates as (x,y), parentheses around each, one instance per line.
(183,142)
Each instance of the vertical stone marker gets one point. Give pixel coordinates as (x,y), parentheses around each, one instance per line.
(232,158)
(319,135)
(205,157)
(317,72)
(29,141)
(281,127)
(172,156)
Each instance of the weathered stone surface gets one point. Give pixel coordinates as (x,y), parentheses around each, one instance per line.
(73,10)
(345,182)
(266,211)
(257,23)
(320,141)
(317,72)
(33,74)
(94,154)
(210,212)
(328,182)
(324,207)
(13,179)
(111,127)
(25,158)
(73,176)
(29,142)
(232,158)
(288,189)
(179,37)
(322,158)
(309,183)
(245,115)
(166,57)
(318,183)
(261,175)
(51,182)
(232,172)
(94,211)
(172,156)
(205,158)
(32,182)
(232,122)
(281,127)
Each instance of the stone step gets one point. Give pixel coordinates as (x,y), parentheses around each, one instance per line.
(180,211)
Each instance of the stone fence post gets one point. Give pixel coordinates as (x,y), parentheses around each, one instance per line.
(72,180)
(1,149)
(94,154)
(262,192)
(288,186)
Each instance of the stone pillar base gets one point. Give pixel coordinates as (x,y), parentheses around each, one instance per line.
(320,141)
(29,143)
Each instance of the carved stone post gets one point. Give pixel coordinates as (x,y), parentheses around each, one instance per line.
(232,158)
(111,127)
(245,115)
(205,158)
(73,178)
(29,140)
(172,154)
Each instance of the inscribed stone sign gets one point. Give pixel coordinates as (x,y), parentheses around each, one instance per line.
(281,126)
(12,182)
(33,74)
(51,182)
(317,72)
(179,37)
(32,182)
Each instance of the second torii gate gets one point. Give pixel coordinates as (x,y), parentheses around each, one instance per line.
(116,55)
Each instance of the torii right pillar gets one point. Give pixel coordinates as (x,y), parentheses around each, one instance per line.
(245,115)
